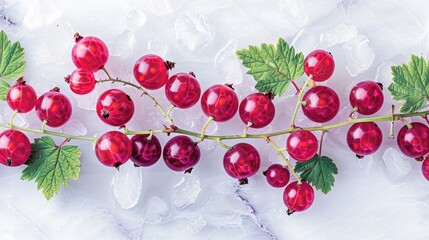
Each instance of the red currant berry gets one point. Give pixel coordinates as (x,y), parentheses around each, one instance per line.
(181,153)
(425,168)
(54,107)
(320,64)
(151,71)
(414,142)
(297,197)
(89,53)
(113,149)
(258,109)
(114,107)
(146,152)
(364,138)
(277,175)
(241,161)
(21,97)
(220,102)
(81,81)
(15,148)
(183,90)
(367,97)
(302,145)
(321,104)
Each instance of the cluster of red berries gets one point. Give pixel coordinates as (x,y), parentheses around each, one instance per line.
(114,107)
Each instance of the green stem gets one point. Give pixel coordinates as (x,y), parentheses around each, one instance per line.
(321,143)
(169,111)
(299,101)
(291,168)
(12,118)
(203,132)
(43,126)
(115,80)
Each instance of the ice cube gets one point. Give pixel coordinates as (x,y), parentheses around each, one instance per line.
(366,163)
(87,101)
(127,185)
(75,127)
(338,35)
(227,64)
(59,41)
(158,47)
(193,30)
(156,209)
(135,18)
(359,54)
(293,10)
(161,7)
(186,191)
(6,115)
(124,44)
(397,166)
(196,224)
(40,13)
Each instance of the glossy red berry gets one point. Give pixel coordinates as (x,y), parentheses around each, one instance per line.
(320,64)
(302,145)
(181,153)
(81,81)
(364,138)
(258,109)
(15,148)
(21,97)
(298,198)
(321,104)
(146,152)
(220,102)
(113,149)
(151,71)
(115,107)
(425,168)
(277,175)
(183,90)
(54,107)
(414,142)
(367,97)
(89,53)
(241,161)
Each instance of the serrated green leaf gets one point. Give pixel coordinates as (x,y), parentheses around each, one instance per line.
(273,67)
(12,62)
(318,172)
(51,166)
(4,88)
(411,84)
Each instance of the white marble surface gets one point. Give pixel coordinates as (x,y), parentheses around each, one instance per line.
(372,198)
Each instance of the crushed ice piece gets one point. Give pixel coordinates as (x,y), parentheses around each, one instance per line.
(127,185)
(135,18)
(75,127)
(338,35)
(359,55)
(186,191)
(124,44)
(156,209)
(397,166)
(193,30)
(227,64)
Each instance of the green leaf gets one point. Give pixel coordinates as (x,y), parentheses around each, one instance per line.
(51,166)
(12,62)
(319,172)
(273,67)
(4,88)
(411,84)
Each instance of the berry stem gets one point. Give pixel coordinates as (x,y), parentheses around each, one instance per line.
(298,102)
(206,125)
(321,143)
(12,118)
(426,118)
(169,111)
(279,151)
(116,80)
(392,123)
(219,141)
(249,124)
(42,129)
(296,87)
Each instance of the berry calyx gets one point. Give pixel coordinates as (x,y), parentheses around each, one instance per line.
(15,148)
(364,138)
(320,104)
(54,107)
(257,109)
(115,107)
(81,81)
(298,197)
(302,145)
(320,64)
(277,175)
(113,149)
(241,161)
(151,71)
(413,141)
(181,153)
(146,152)
(183,90)
(367,97)
(89,53)
(425,168)
(21,97)
(220,102)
